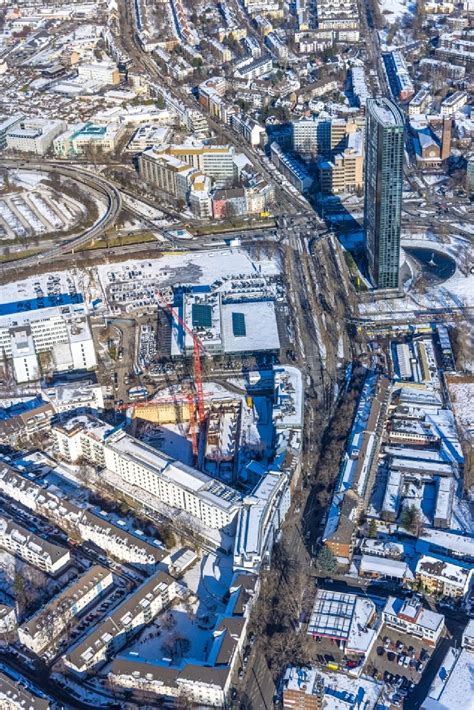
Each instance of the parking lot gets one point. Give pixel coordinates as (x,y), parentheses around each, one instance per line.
(399,660)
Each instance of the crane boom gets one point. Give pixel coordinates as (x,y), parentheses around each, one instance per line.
(198,348)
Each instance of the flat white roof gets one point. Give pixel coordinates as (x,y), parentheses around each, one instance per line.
(453,686)
(462,544)
(260,326)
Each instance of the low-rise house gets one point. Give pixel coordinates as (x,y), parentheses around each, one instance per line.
(408,616)
(439,576)
(377,567)
(53,619)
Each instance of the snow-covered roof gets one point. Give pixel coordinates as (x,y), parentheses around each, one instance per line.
(462,545)
(259,332)
(453,685)
(381,565)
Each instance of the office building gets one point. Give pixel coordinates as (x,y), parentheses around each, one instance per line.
(33,135)
(470,174)
(383,190)
(344,173)
(88,136)
(101,72)
(7,123)
(61,331)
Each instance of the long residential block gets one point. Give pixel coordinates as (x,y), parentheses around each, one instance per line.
(138,610)
(51,621)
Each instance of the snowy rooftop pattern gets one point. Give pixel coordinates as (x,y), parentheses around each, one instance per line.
(332,614)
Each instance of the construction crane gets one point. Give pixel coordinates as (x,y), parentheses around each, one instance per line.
(190,398)
(198,349)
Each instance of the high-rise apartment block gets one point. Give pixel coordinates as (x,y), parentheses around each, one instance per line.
(383,190)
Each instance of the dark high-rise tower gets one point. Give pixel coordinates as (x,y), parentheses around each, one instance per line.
(384,140)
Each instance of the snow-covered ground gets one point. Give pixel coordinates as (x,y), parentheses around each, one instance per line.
(457,292)
(395,10)
(197,268)
(461,391)
(186,630)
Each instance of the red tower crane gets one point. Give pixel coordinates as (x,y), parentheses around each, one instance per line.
(198,348)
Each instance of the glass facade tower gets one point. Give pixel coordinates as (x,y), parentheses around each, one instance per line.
(384,145)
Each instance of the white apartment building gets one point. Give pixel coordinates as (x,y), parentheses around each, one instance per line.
(25,361)
(419,103)
(253,68)
(112,539)
(249,129)
(63,331)
(453,103)
(278,48)
(206,683)
(34,135)
(110,635)
(200,196)
(40,553)
(175,484)
(101,72)
(220,51)
(7,619)
(50,622)
(409,617)
(261,517)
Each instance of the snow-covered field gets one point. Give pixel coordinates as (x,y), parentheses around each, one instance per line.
(395,10)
